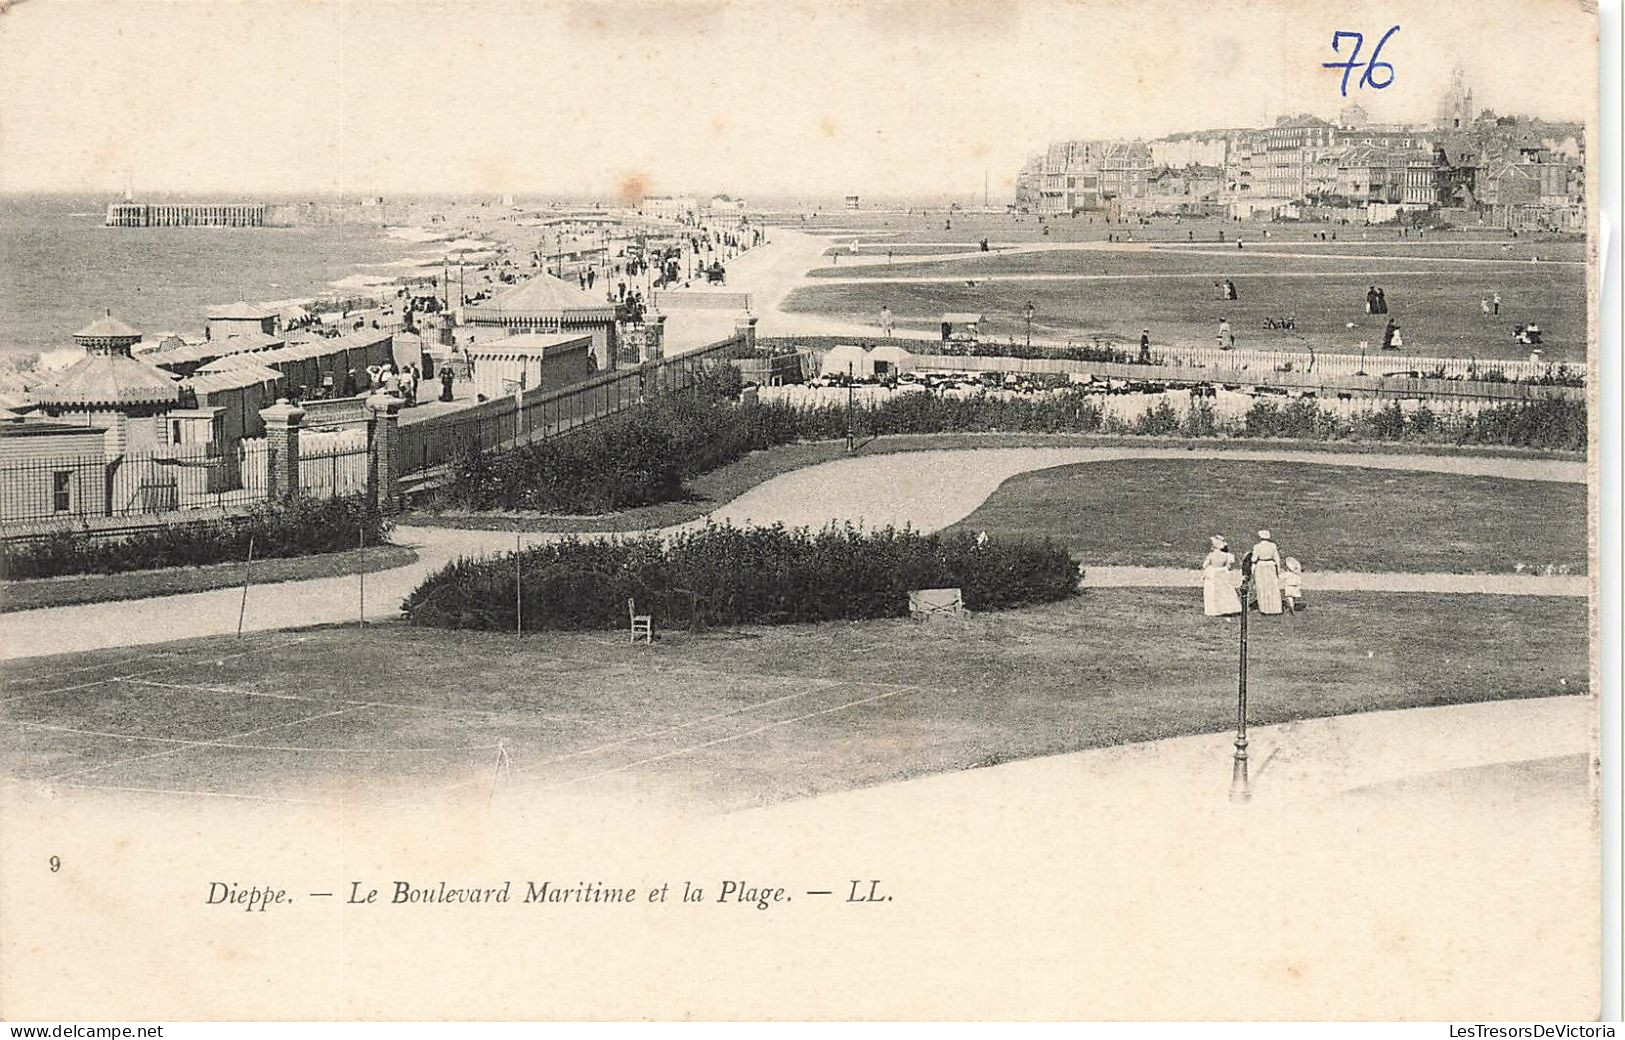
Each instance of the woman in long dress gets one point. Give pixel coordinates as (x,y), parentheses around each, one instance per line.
(1267,574)
(1219,597)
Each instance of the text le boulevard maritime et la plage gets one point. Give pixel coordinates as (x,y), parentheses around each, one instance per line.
(397,893)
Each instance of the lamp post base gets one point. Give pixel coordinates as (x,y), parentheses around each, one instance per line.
(1241,789)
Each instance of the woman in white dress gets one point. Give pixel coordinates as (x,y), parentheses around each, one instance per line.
(1219,597)
(1267,574)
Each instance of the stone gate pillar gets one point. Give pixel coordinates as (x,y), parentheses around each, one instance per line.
(282,424)
(745,329)
(384,472)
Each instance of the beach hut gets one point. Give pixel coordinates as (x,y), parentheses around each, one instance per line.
(847,359)
(530,361)
(889,360)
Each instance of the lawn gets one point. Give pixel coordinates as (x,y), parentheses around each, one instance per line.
(1161,512)
(722,485)
(732,719)
(970,228)
(169,581)
(1213,263)
(1438,311)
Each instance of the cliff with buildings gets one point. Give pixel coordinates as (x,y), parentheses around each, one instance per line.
(1468,164)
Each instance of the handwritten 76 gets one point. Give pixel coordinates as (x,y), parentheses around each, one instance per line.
(1371,64)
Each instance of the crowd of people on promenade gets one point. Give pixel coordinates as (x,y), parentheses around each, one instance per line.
(1271,582)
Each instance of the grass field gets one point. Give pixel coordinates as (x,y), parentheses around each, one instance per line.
(1330,518)
(722,485)
(733,719)
(1213,263)
(1438,310)
(970,228)
(169,581)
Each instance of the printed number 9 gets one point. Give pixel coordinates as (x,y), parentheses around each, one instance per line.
(1372,64)
(56,864)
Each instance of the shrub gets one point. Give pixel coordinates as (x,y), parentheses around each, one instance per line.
(725,575)
(295,526)
(644,455)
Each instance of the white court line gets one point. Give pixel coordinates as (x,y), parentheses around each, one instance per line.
(256,747)
(724,740)
(114,664)
(684,664)
(638,737)
(176,751)
(233,691)
(150,671)
(227,690)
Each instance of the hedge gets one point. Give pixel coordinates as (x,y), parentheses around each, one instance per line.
(294,526)
(725,575)
(643,456)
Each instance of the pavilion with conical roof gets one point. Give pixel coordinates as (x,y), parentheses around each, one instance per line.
(108,376)
(548,304)
(110,389)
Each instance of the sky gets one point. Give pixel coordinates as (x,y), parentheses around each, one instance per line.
(895,98)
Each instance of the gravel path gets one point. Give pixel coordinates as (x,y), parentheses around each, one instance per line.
(927,490)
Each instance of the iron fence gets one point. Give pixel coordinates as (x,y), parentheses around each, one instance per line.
(510,422)
(333,463)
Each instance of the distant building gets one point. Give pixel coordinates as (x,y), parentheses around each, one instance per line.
(238,318)
(1204,148)
(725,204)
(1457,164)
(671,207)
(1290,150)
(1353,117)
(1455,109)
(1125,168)
(1071,179)
(549,304)
(851,202)
(1028,183)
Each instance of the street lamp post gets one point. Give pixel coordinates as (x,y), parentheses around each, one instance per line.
(1029,313)
(851,404)
(1240,788)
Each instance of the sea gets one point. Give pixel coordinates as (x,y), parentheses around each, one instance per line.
(60,268)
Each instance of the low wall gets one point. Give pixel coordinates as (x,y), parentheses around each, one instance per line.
(1318,381)
(679,299)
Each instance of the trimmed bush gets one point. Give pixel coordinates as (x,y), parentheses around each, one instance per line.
(296,526)
(725,575)
(643,456)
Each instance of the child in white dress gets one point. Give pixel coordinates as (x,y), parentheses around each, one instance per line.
(1291,583)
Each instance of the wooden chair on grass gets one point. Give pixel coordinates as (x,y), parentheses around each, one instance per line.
(642,624)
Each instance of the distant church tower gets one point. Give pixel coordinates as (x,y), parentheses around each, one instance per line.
(1456,106)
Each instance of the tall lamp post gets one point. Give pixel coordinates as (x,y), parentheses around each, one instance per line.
(1029,312)
(851,403)
(1240,789)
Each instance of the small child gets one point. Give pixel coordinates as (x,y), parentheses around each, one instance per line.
(1291,583)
